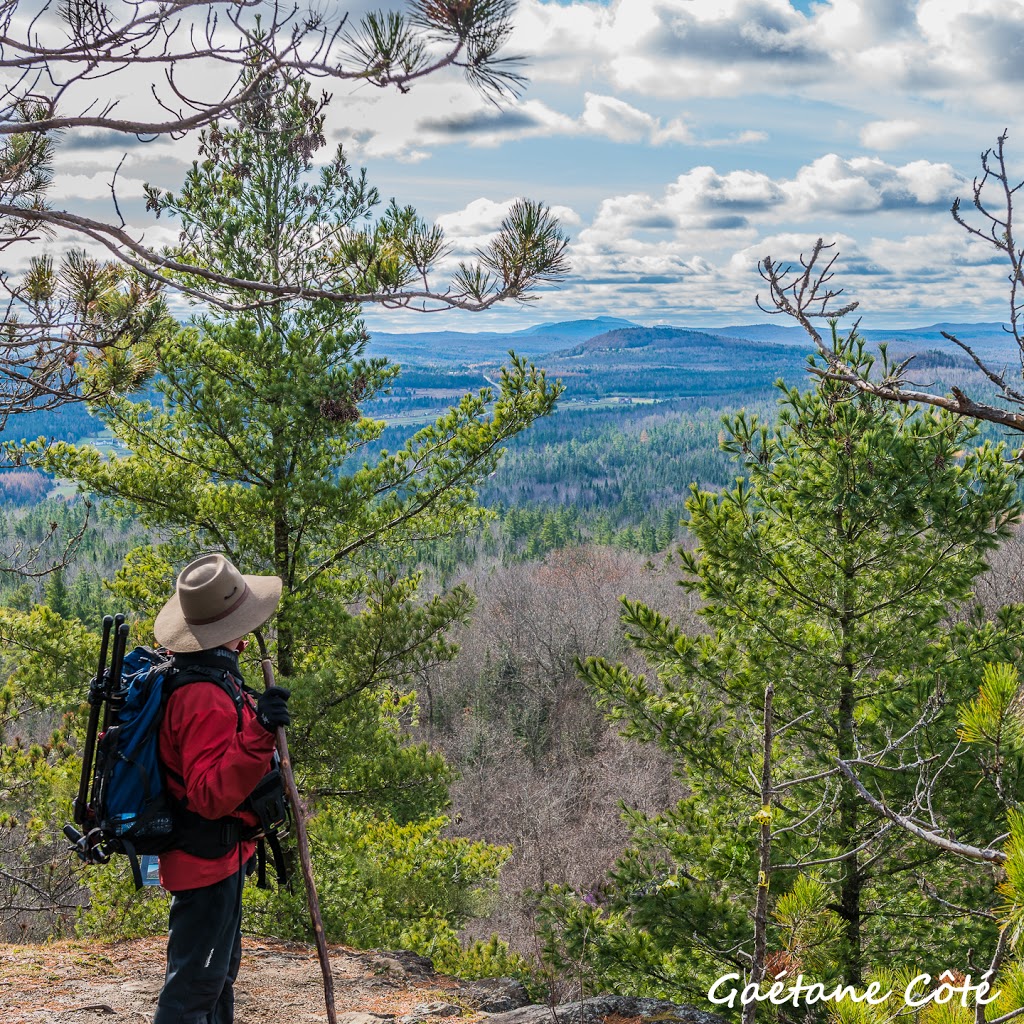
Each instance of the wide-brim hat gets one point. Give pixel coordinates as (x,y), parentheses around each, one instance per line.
(214,604)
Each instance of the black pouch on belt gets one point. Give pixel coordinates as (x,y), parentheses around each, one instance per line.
(269,803)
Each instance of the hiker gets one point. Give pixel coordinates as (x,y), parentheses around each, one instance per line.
(215,750)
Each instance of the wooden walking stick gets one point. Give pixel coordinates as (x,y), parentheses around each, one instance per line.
(307,866)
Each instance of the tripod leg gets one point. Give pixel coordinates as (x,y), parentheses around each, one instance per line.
(95,706)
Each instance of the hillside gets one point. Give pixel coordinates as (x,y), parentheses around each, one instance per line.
(624,384)
(599,358)
(664,363)
(534,341)
(686,345)
(988,339)
(578,328)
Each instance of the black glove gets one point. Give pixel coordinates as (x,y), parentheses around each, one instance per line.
(272,708)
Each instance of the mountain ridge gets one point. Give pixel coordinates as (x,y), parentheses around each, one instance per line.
(555,338)
(664,338)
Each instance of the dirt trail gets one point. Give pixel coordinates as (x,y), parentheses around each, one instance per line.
(279,983)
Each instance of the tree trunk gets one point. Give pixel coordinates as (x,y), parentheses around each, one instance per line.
(852,881)
(764,818)
(282,566)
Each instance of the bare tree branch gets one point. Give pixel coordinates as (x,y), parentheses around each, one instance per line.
(808,294)
(26,560)
(933,838)
(54,63)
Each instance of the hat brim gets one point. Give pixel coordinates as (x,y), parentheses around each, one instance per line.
(261,601)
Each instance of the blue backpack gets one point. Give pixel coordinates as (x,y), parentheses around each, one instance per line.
(130,801)
(130,809)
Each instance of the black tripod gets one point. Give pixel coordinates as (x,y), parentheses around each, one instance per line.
(104,698)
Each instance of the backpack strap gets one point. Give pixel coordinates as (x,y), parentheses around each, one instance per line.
(219,667)
(261,865)
(133,859)
(218,657)
(272,840)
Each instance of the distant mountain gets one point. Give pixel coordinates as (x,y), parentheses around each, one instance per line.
(983,329)
(603,361)
(662,363)
(580,329)
(673,338)
(448,346)
(762,332)
(678,345)
(989,339)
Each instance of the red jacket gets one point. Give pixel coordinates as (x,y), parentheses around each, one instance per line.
(221,765)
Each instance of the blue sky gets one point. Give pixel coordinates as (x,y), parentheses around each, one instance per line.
(682,140)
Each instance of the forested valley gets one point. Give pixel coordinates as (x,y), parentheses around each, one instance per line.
(622,658)
(500,745)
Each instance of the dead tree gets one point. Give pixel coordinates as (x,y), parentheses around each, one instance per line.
(808,294)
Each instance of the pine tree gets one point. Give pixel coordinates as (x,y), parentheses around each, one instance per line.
(56,594)
(829,571)
(259,450)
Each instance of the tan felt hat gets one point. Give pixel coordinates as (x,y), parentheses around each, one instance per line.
(214,604)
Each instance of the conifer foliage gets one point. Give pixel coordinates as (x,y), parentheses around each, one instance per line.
(140,71)
(829,573)
(259,449)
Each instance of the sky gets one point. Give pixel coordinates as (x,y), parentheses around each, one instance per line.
(680,141)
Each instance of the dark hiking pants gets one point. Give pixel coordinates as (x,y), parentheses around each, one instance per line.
(204,948)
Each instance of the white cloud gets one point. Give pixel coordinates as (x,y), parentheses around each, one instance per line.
(92,186)
(656,79)
(693,249)
(460,117)
(478,220)
(831,183)
(704,188)
(888,134)
(969,28)
(740,139)
(617,71)
(661,47)
(864,184)
(618,121)
(913,278)
(704,198)
(786,248)
(409,128)
(565,43)
(479,217)
(874,52)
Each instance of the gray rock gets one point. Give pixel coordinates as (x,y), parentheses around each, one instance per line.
(387,967)
(595,1010)
(414,963)
(524,1015)
(425,1011)
(494,995)
(146,987)
(400,963)
(355,1017)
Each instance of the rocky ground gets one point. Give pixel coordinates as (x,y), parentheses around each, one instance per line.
(281,983)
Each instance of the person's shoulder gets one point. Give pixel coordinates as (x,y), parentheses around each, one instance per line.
(199,696)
